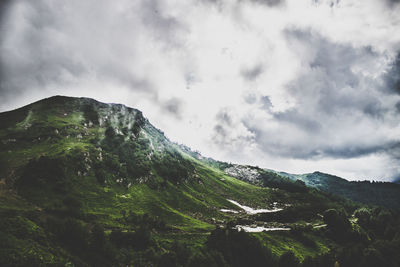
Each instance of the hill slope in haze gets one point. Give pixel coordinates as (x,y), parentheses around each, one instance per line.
(374,193)
(384,194)
(84,183)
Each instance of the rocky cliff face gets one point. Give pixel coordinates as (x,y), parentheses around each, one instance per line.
(104,138)
(244,173)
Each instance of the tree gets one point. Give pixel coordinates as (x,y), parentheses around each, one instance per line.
(337,221)
(97,239)
(363,216)
(288,259)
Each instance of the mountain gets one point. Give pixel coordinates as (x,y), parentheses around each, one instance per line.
(85,183)
(384,194)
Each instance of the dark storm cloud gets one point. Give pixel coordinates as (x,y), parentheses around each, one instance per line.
(328,96)
(224,117)
(375,110)
(54,46)
(266,103)
(270,3)
(394,151)
(228,132)
(331,81)
(398,107)
(164,27)
(253,73)
(189,79)
(119,74)
(392,78)
(220,132)
(293,116)
(331,3)
(173,106)
(250,98)
(299,150)
(334,60)
(268,143)
(358,151)
(4,6)
(222,128)
(393,2)
(36,62)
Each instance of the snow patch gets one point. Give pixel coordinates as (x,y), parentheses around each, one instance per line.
(258,229)
(229,211)
(252,211)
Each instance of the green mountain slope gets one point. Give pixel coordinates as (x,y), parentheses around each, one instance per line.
(62,148)
(84,183)
(385,194)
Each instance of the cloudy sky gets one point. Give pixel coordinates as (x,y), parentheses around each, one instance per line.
(292,85)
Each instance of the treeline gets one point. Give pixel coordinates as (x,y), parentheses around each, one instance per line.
(273,180)
(369,237)
(61,240)
(228,247)
(375,240)
(372,193)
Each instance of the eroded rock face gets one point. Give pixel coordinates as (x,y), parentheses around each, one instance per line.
(243,173)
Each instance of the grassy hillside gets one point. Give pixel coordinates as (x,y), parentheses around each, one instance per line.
(383,194)
(83,183)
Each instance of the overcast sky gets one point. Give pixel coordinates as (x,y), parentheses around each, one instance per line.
(292,85)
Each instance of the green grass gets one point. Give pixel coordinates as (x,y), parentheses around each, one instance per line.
(281,242)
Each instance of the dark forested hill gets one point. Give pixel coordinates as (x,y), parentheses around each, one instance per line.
(374,193)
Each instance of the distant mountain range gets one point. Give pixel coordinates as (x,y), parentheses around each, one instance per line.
(374,193)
